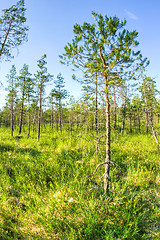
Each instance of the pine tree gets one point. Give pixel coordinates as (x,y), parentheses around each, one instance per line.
(24,84)
(42,78)
(149,91)
(103,47)
(60,93)
(13,32)
(12,76)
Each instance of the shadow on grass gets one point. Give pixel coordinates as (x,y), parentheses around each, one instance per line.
(6,148)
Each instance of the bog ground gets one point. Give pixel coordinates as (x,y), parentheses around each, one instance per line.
(45,194)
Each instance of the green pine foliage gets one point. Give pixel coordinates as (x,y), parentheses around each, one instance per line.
(13,29)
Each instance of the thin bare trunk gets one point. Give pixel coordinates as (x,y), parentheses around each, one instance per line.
(150,118)
(60,116)
(146,120)
(11,111)
(29,124)
(96,110)
(115,108)
(52,117)
(40,112)
(108,157)
(139,124)
(12,117)
(21,117)
(130,123)
(124,111)
(34,120)
(57,121)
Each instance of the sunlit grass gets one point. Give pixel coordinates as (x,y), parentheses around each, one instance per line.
(44,192)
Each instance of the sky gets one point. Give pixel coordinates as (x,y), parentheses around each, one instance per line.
(51,27)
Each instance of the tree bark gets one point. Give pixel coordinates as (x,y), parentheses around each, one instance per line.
(115,108)
(12,118)
(146,120)
(21,117)
(60,116)
(149,113)
(12,111)
(130,123)
(108,157)
(40,112)
(124,111)
(96,107)
(139,124)
(6,36)
(29,124)
(52,117)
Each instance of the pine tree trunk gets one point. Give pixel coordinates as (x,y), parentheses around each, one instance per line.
(34,119)
(152,128)
(130,123)
(57,121)
(123,120)
(124,111)
(108,157)
(115,108)
(139,124)
(21,118)
(60,117)
(146,121)
(12,117)
(96,107)
(40,113)
(52,117)
(29,122)
(150,118)
(7,33)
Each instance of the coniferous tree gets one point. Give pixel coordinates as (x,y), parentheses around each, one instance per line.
(42,78)
(60,93)
(90,87)
(149,91)
(30,93)
(137,110)
(13,31)
(12,76)
(24,84)
(103,47)
(52,102)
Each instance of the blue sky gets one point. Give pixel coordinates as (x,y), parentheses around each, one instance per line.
(51,27)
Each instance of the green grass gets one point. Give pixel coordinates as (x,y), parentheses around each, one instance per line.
(44,192)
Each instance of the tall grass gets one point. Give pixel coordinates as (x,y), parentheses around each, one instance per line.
(45,194)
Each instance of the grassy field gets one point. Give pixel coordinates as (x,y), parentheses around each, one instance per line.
(45,194)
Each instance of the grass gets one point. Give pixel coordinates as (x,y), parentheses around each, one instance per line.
(44,192)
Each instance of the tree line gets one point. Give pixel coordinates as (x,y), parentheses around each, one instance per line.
(132,108)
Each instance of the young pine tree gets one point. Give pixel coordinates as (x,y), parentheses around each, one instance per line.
(24,83)
(60,93)
(12,76)
(42,78)
(103,47)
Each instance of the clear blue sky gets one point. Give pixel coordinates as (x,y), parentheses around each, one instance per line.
(51,27)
